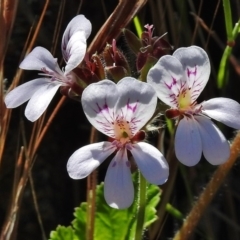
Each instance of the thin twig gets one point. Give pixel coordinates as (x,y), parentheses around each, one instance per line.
(121,16)
(44,237)
(91,193)
(43,132)
(209,192)
(211,26)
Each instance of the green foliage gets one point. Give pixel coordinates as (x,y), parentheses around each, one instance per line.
(63,233)
(222,73)
(137,26)
(110,223)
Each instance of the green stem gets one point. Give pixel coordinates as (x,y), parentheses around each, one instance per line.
(227,52)
(228,19)
(138,26)
(141,206)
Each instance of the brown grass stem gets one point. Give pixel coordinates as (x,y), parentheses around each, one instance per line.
(91,193)
(208,193)
(111,29)
(44,237)
(45,128)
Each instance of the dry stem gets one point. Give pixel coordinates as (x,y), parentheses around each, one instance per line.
(207,195)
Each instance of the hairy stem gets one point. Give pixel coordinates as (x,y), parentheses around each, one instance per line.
(141,206)
(207,195)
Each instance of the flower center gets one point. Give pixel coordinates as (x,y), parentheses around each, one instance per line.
(184,99)
(59,77)
(122,131)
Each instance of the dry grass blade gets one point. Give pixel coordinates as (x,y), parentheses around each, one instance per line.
(121,16)
(7,17)
(5,114)
(36,206)
(91,193)
(19,182)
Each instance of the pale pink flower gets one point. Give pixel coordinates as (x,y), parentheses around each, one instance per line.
(119,111)
(40,91)
(178,80)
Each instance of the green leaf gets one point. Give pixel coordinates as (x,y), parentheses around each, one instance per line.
(116,224)
(228,19)
(138,26)
(110,223)
(63,233)
(79,223)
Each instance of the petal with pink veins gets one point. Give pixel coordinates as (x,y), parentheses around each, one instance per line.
(76,50)
(118,185)
(24,92)
(196,67)
(135,98)
(98,101)
(166,77)
(40,58)
(216,148)
(40,100)
(151,162)
(224,110)
(77,24)
(86,159)
(188,144)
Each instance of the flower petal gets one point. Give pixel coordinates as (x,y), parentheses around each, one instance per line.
(98,101)
(40,58)
(24,92)
(196,67)
(167,78)
(188,144)
(216,148)
(151,162)
(40,100)
(118,186)
(77,24)
(88,158)
(134,98)
(224,110)
(75,51)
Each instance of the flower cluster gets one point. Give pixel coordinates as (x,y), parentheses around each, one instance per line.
(40,91)
(120,110)
(178,80)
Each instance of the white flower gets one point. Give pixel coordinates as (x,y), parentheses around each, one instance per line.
(178,81)
(119,111)
(40,91)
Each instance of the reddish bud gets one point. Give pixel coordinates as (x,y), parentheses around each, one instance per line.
(113,57)
(160,47)
(107,55)
(99,69)
(139,136)
(85,75)
(141,60)
(172,113)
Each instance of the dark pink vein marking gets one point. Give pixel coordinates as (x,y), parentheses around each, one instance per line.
(189,72)
(132,108)
(174,82)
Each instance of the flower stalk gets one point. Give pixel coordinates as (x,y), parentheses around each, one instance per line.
(209,192)
(141,206)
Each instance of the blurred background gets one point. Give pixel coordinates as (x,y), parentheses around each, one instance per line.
(186,22)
